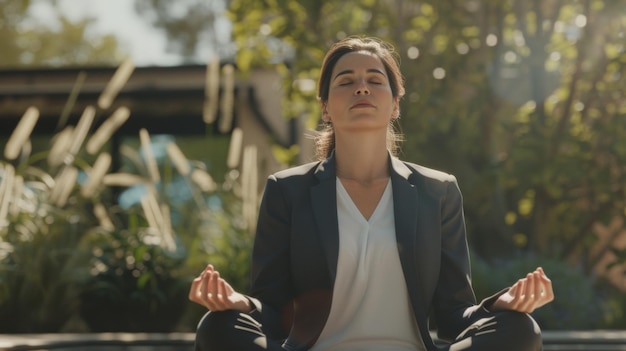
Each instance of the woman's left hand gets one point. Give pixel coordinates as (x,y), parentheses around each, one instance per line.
(527,294)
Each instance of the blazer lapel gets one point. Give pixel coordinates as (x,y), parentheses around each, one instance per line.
(324,203)
(406,213)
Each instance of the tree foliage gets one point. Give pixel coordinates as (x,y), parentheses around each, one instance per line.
(523,101)
(26,42)
(193,26)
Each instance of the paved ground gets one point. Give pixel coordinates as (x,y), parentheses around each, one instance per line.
(596,340)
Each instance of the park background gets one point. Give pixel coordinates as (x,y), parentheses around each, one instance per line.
(523,101)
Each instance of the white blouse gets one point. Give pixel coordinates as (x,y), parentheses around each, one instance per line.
(370,309)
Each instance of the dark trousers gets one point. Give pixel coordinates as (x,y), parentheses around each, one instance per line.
(504,331)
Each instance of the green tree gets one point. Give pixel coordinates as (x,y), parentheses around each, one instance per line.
(521,100)
(25,42)
(193,26)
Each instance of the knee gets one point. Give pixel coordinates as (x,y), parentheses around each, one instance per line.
(213,328)
(524,330)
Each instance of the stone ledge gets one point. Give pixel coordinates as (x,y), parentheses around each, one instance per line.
(592,340)
(98,342)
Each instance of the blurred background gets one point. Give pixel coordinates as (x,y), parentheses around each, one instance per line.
(137,136)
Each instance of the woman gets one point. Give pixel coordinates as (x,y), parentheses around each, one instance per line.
(358,250)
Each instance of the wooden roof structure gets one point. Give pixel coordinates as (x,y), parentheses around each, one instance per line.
(161,99)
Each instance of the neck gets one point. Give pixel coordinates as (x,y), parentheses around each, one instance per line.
(361,161)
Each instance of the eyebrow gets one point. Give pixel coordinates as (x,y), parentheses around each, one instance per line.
(349,71)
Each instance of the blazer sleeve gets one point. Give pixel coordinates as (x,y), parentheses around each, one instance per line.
(271,292)
(455,305)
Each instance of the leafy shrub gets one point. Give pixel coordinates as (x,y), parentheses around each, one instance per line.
(67,250)
(39,273)
(578,303)
(134,283)
(39,267)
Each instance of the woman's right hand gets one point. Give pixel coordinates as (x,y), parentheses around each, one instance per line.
(214,293)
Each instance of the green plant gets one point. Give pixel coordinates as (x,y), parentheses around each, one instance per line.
(579,303)
(40,227)
(39,269)
(68,251)
(134,282)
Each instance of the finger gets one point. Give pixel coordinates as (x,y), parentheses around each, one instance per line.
(217,291)
(203,290)
(517,294)
(529,293)
(545,283)
(530,287)
(520,302)
(212,293)
(220,290)
(544,290)
(544,279)
(215,277)
(522,289)
(540,274)
(194,290)
(538,291)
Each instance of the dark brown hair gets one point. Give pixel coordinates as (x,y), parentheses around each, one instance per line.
(325,141)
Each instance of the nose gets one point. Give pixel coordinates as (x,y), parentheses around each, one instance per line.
(362,89)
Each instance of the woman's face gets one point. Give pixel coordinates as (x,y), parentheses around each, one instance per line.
(360,96)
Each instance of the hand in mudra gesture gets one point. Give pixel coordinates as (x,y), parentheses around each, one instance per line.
(527,294)
(214,293)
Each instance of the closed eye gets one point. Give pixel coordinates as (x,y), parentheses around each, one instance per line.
(348,82)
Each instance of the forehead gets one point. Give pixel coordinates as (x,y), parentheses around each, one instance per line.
(359,60)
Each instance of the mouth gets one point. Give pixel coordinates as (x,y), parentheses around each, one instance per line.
(362,104)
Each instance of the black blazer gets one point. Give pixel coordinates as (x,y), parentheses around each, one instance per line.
(297,243)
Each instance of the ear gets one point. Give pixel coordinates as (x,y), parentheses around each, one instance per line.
(325,115)
(396,109)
